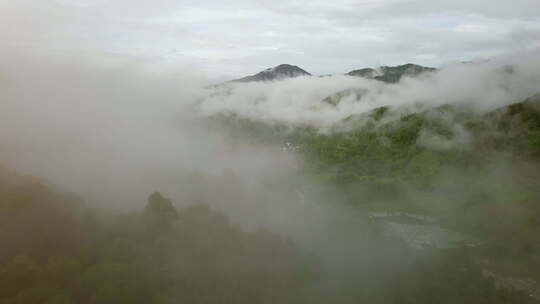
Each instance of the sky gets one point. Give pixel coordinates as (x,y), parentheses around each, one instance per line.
(233,38)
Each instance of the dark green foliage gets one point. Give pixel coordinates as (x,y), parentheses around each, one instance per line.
(379,113)
(387,152)
(161,255)
(442,275)
(34,220)
(159,213)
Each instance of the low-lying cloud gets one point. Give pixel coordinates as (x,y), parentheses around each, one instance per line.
(299,101)
(115,133)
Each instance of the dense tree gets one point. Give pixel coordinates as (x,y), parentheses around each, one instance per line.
(159,213)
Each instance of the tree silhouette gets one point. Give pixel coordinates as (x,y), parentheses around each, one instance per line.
(159,213)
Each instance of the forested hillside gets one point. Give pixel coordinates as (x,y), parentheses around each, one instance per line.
(476,173)
(55,250)
(269,152)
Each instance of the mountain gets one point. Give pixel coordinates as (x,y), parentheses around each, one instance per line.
(282,71)
(365,72)
(388,74)
(391,74)
(385,73)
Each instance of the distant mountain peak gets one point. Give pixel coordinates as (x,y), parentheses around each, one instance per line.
(391,74)
(282,71)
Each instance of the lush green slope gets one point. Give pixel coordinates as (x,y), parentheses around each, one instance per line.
(400,145)
(478,173)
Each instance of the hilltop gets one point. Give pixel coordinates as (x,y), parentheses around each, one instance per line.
(282,71)
(389,74)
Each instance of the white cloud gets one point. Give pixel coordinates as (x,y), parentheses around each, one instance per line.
(238,37)
(299,101)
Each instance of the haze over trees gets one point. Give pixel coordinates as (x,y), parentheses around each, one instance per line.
(57,248)
(136,177)
(163,254)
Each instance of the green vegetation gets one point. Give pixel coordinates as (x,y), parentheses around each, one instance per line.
(160,255)
(476,173)
(65,254)
(479,174)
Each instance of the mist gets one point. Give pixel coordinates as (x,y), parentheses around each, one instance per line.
(106,130)
(482,86)
(131,177)
(113,134)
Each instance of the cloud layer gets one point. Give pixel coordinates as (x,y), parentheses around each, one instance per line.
(299,101)
(237,37)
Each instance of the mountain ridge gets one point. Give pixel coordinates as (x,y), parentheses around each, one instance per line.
(388,74)
(279,72)
(391,74)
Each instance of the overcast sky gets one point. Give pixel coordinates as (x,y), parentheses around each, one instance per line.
(232,38)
